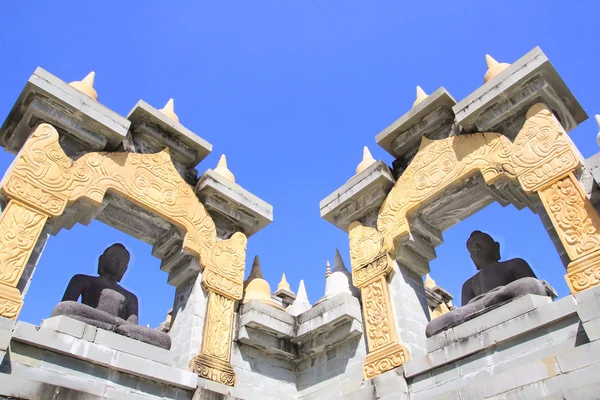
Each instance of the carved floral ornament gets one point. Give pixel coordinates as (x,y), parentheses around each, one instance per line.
(42,181)
(542,159)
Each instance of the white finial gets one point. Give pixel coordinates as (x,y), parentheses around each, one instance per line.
(301,304)
(327,270)
(429,283)
(340,280)
(366,161)
(86,85)
(169,110)
(421,95)
(223,170)
(494,68)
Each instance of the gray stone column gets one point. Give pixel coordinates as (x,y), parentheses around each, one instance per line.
(189,309)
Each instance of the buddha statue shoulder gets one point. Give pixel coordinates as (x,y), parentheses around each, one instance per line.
(105,303)
(494,283)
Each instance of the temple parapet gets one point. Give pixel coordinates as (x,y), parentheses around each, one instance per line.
(85,124)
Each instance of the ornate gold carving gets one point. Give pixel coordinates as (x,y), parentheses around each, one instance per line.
(43,177)
(573,216)
(20,227)
(213,369)
(370,265)
(43,181)
(541,153)
(378,314)
(584,273)
(438,165)
(213,361)
(377,267)
(224,271)
(10,301)
(577,225)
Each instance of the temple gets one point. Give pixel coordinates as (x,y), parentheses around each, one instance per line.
(382,329)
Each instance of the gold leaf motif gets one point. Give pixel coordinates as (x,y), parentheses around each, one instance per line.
(20,228)
(378,322)
(576,222)
(218,328)
(385,360)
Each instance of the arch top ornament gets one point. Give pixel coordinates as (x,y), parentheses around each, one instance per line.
(43,177)
(540,153)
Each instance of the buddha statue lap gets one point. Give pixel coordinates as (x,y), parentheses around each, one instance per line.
(496,282)
(106,304)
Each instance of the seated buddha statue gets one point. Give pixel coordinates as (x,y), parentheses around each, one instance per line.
(106,304)
(495,282)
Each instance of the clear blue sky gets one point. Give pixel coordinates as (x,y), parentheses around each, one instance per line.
(291,91)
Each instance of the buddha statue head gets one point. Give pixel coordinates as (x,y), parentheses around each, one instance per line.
(483,249)
(112,264)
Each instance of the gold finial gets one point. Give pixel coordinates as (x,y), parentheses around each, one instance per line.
(283,285)
(223,170)
(429,283)
(86,85)
(494,68)
(256,288)
(421,95)
(327,270)
(169,110)
(366,161)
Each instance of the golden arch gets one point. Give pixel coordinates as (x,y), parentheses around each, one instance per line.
(42,181)
(542,159)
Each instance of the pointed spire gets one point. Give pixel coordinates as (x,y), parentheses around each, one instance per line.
(421,95)
(169,110)
(256,271)
(283,285)
(494,68)
(328,270)
(338,263)
(429,283)
(366,161)
(301,304)
(223,170)
(255,287)
(86,85)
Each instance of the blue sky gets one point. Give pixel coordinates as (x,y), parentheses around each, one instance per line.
(291,91)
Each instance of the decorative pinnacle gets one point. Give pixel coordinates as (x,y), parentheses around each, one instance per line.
(283,284)
(429,283)
(302,297)
(169,110)
(327,270)
(366,161)
(338,263)
(256,271)
(421,95)
(494,68)
(86,85)
(223,170)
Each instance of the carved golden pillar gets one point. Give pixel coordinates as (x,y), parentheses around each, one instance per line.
(544,159)
(578,227)
(223,278)
(20,228)
(370,266)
